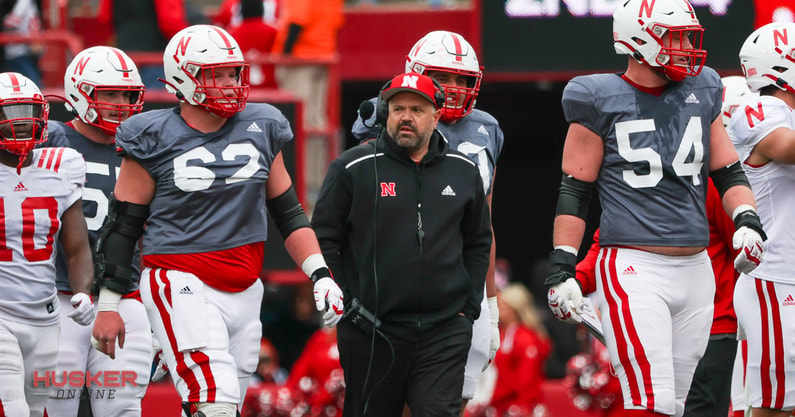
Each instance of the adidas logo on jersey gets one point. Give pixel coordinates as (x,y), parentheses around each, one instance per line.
(629,271)
(448,191)
(185,291)
(789,301)
(482,129)
(691,99)
(20,187)
(253,127)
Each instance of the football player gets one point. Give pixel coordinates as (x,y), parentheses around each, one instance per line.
(448,58)
(199,176)
(765,139)
(648,139)
(102,88)
(735,93)
(41,201)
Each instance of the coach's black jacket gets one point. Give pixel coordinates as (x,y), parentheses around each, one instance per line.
(427,222)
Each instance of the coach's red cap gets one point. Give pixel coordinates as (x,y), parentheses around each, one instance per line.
(412,82)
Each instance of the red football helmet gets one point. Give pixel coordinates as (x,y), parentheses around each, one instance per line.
(193,59)
(102,68)
(640,28)
(23,114)
(448,52)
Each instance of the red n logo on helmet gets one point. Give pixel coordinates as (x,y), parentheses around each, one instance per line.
(81,65)
(780,35)
(647,7)
(182,47)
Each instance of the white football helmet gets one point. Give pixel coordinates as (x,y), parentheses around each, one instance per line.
(767,57)
(190,61)
(448,52)
(735,92)
(102,68)
(639,29)
(23,114)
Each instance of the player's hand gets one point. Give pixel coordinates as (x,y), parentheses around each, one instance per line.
(108,327)
(328,298)
(565,300)
(84,311)
(494,345)
(161,369)
(752,248)
(749,239)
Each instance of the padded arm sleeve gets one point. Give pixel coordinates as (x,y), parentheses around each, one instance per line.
(729,176)
(287,213)
(116,243)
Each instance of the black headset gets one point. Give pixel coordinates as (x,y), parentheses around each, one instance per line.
(382,108)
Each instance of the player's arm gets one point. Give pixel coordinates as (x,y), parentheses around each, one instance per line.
(583,153)
(300,240)
(74,240)
(778,145)
(738,199)
(124,225)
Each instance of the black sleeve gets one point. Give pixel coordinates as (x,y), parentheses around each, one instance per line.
(476,229)
(329,217)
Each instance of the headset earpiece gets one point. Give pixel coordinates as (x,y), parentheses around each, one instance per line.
(381,108)
(438,95)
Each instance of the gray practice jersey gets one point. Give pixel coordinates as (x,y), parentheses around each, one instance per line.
(102,167)
(210,187)
(653,180)
(476,135)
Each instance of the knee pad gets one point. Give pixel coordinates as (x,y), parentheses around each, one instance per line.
(216,410)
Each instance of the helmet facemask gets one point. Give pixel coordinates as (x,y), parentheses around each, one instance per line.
(23,124)
(222,100)
(459,100)
(680,53)
(116,112)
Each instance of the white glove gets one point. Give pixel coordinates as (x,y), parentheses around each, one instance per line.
(328,298)
(751,246)
(494,346)
(565,300)
(161,369)
(84,312)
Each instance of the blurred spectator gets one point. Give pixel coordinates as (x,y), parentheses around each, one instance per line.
(519,363)
(318,372)
(309,31)
(591,383)
(315,386)
(268,369)
(22,17)
(502,273)
(230,13)
(147,26)
(255,38)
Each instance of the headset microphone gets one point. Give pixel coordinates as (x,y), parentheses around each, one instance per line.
(366,110)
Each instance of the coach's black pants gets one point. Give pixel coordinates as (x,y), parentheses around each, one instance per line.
(427,372)
(710,392)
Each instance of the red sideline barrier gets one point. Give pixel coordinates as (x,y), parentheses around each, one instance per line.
(161,400)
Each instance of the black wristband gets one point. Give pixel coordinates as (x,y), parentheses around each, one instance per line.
(562,266)
(751,220)
(319,273)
